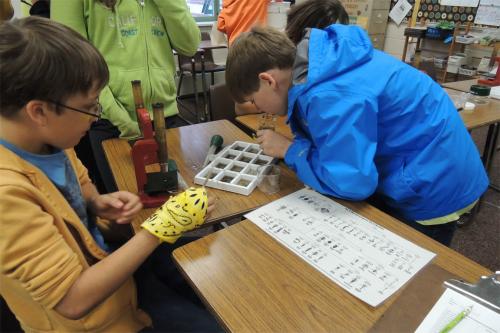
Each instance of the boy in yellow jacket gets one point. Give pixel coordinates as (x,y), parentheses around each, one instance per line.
(56,273)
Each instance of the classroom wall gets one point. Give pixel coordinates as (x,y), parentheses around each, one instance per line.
(394,39)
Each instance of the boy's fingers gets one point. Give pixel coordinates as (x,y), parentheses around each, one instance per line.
(135,204)
(111,201)
(130,200)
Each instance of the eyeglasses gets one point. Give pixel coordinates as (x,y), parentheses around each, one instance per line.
(96,110)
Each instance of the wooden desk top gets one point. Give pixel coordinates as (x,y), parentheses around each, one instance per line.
(460,85)
(254,284)
(482,116)
(252,121)
(187,146)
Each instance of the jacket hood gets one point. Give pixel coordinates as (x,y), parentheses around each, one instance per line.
(325,54)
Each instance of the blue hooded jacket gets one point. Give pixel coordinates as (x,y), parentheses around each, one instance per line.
(366,122)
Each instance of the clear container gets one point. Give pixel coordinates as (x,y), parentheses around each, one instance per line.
(479,95)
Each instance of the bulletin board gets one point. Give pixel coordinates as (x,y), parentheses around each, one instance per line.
(433,11)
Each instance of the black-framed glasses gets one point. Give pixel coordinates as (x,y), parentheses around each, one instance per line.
(96,110)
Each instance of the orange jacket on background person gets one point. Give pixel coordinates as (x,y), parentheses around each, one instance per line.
(238,16)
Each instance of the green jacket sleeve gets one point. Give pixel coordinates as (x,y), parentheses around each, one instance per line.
(118,115)
(181,27)
(71,14)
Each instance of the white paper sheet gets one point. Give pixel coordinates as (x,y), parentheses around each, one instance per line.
(399,11)
(490,2)
(450,304)
(460,3)
(488,14)
(359,255)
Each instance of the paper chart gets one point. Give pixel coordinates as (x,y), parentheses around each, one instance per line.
(359,255)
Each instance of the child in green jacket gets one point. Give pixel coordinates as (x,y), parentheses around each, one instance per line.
(136,38)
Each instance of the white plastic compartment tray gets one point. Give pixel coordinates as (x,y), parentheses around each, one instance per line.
(235,168)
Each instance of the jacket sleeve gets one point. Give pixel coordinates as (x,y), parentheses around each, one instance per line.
(32,251)
(181,27)
(338,157)
(114,111)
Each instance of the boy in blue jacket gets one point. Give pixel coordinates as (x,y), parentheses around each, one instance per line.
(364,123)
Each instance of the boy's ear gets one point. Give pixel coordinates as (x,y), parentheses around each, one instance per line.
(36,111)
(268,79)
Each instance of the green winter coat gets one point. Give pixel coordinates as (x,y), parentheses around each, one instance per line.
(138,48)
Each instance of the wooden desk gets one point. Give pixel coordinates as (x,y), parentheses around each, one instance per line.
(187,146)
(251,121)
(482,115)
(460,85)
(252,283)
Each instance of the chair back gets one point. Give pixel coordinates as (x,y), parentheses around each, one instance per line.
(221,103)
(185,61)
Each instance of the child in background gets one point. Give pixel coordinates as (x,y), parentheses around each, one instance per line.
(319,14)
(55,273)
(364,122)
(136,37)
(238,16)
(314,14)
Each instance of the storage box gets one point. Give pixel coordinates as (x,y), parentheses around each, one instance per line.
(467,71)
(440,63)
(467,39)
(454,63)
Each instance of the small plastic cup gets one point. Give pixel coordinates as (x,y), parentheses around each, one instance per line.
(267,121)
(269,178)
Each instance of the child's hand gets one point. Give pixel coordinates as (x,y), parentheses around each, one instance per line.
(120,206)
(181,213)
(272,143)
(211,206)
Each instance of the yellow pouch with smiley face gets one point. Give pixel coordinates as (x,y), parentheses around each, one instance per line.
(181,213)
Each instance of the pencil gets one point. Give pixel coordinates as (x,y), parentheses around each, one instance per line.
(454,322)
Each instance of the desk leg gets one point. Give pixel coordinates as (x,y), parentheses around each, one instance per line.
(195,90)
(405,48)
(490,149)
(204,87)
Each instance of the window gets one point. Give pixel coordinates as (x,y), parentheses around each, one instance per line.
(205,10)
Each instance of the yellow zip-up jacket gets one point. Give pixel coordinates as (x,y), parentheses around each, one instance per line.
(44,247)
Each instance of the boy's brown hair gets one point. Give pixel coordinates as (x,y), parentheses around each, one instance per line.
(314,14)
(254,52)
(45,60)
